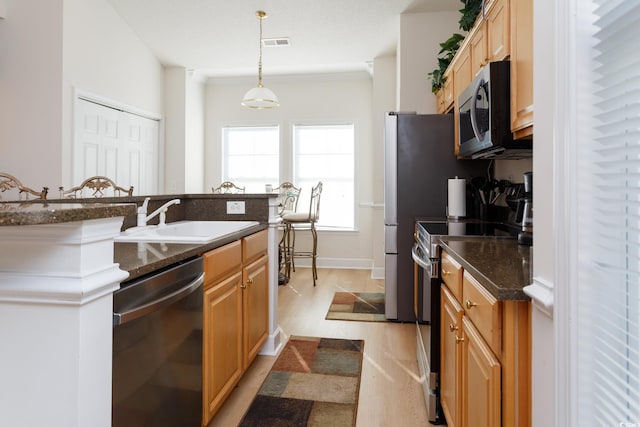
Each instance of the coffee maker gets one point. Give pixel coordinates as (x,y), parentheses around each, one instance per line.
(525,236)
(520,200)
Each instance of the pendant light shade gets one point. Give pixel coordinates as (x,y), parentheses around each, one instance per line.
(260,97)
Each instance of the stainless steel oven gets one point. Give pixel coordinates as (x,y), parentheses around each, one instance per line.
(427,311)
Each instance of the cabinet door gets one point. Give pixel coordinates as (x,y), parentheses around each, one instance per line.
(478,46)
(450,357)
(448,89)
(440,101)
(461,71)
(522,67)
(222,341)
(480,380)
(498,31)
(255,295)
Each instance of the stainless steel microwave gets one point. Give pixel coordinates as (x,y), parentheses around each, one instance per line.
(484,125)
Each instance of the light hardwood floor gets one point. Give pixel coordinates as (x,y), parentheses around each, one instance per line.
(390,393)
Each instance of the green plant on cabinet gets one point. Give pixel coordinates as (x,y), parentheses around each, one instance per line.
(449,47)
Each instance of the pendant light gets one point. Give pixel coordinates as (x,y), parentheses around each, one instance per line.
(260,97)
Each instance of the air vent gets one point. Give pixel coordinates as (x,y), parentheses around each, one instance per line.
(277,42)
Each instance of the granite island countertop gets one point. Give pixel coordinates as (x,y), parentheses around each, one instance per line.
(502,266)
(36,213)
(136,258)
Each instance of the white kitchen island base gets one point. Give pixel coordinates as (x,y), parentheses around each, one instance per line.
(56,287)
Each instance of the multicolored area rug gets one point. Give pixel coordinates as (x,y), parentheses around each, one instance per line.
(363,306)
(314,382)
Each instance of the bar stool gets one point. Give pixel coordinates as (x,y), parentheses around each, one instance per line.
(298,221)
(288,196)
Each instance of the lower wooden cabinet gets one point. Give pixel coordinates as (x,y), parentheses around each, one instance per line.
(235,316)
(485,355)
(451,358)
(480,394)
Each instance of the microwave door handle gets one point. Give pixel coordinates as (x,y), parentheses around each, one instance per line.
(474,97)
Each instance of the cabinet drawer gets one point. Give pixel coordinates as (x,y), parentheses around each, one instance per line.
(254,245)
(452,275)
(484,311)
(222,261)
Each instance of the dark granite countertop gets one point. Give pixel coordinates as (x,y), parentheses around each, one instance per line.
(502,266)
(140,259)
(44,213)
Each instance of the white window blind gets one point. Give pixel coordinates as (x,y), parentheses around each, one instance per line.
(608,221)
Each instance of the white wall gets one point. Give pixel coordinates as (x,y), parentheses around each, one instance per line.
(418,47)
(194,146)
(31,92)
(545,230)
(48,48)
(305,99)
(103,55)
(184,131)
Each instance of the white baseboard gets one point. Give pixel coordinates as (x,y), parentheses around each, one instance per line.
(377,272)
(346,263)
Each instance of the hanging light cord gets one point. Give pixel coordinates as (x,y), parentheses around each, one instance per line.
(261,15)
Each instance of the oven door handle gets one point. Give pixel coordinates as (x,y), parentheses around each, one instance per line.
(150,307)
(416,255)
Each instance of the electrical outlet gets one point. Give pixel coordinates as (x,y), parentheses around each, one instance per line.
(235,208)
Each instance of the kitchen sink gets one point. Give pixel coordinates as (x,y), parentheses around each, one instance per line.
(184,231)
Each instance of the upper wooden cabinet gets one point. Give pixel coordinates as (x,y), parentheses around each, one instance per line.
(478,47)
(504,31)
(498,30)
(522,68)
(444,97)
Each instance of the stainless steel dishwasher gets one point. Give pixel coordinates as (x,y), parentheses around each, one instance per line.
(157,348)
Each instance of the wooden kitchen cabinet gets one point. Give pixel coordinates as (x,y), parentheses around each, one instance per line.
(480,392)
(450,358)
(255,295)
(478,47)
(235,316)
(521,68)
(498,30)
(485,355)
(489,38)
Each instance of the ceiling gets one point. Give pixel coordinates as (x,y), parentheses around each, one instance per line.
(219,38)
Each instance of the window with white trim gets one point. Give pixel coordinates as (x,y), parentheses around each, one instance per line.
(326,153)
(250,156)
(607,217)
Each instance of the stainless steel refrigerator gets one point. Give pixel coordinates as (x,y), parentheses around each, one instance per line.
(419,159)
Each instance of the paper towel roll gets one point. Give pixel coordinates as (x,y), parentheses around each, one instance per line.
(457,198)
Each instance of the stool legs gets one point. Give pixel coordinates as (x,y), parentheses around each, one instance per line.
(314,253)
(287,247)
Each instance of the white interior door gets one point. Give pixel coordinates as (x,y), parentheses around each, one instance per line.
(118,144)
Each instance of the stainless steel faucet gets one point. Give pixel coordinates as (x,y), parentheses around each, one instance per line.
(143,218)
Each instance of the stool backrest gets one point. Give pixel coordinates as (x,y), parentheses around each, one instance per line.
(314,203)
(228,187)
(288,196)
(97,185)
(10,182)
